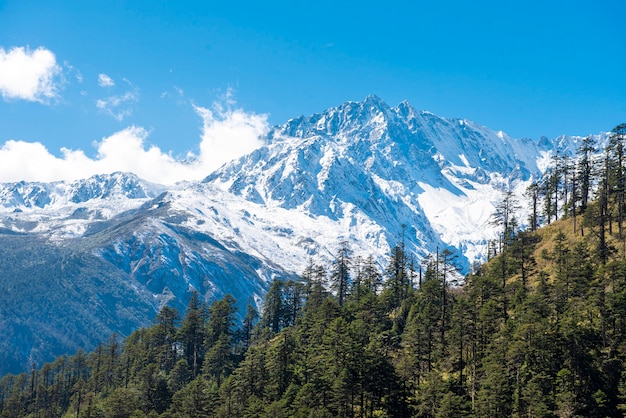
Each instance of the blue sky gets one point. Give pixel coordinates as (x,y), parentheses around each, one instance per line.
(177,79)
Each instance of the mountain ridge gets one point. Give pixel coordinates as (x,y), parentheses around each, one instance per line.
(362,172)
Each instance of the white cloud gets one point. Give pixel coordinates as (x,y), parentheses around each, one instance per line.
(29,75)
(119,106)
(122,151)
(70,70)
(226,134)
(105,81)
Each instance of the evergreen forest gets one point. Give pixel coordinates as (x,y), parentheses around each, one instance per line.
(537,331)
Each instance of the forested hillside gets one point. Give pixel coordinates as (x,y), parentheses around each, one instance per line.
(417,346)
(538,331)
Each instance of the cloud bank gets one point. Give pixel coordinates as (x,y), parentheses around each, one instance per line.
(29,75)
(226,134)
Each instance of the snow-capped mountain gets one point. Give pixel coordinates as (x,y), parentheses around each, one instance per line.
(42,195)
(363,172)
(365,163)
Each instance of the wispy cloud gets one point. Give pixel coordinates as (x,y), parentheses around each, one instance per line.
(177,94)
(105,81)
(29,75)
(72,71)
(227,133)
(118,106)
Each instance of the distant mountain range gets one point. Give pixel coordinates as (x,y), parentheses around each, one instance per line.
(81,260)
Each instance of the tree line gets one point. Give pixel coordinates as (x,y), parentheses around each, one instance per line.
(570,182)
(397,344)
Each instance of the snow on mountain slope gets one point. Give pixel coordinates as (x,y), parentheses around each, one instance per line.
(126,253)
(392,167)
(106,186)
(363,172)
(64,210)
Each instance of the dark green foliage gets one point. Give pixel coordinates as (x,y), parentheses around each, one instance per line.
(274,308)
(192,334)
(509,342)
(340,277)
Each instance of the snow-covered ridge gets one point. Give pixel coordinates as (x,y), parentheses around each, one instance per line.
(363,172)
(392,166)
(29,195)
(459,141)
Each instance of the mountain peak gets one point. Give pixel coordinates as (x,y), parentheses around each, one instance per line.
(374,167)
(374,100)
(341,120)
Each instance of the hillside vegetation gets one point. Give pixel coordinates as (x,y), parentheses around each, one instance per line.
(415,346)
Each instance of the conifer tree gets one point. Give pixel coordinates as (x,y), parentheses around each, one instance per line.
(504,218)
(617,175)
(249,321)
(522,256)
(192,333)
(293,300)
(340,276)
(397,276)
(167,324)
(273,307)
(586,169)
(447,270)
(367,277)
(532,192)
(221,319)
(603,207)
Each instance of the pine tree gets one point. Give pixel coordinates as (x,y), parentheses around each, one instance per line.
(532,192)
(504,217)
(340,276)
(617,175)
(192,333)
(194,400)
(603,206)
(219,359)
(272,317)
(372,279)
(548,186)
(447,269)
(221,319)
(561,257)
(165,336)
(522,256)
(293,300)
(567,172)
(249,321)
(397,276)
(279,361)
(574,198)
(586,169)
